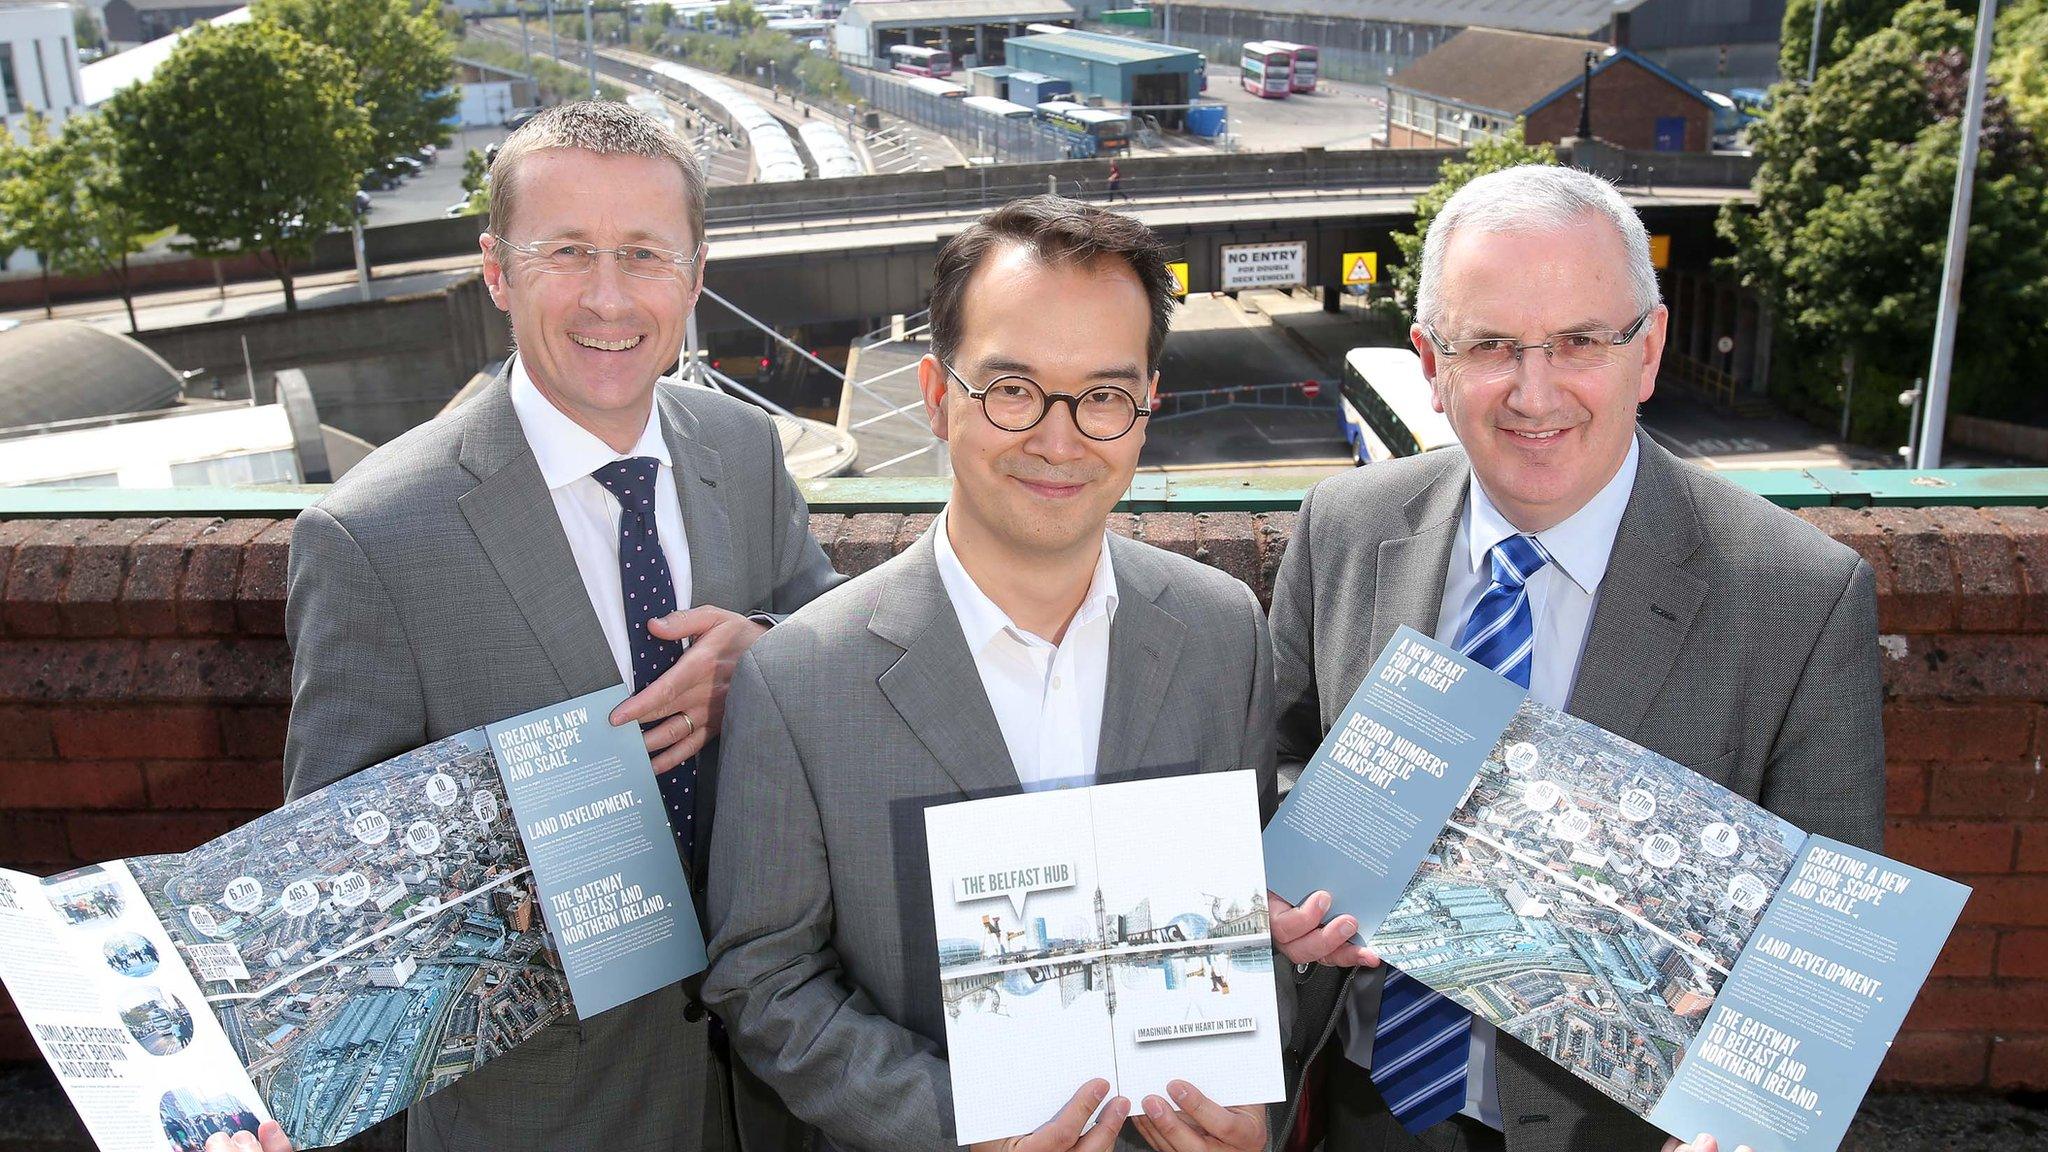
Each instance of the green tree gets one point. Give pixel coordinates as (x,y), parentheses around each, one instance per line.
(34,210)
(1508,150)
(248,139)
(403,61)
(476,180)
(1845,243)
(740,16)
(2021,63)
(1844,24)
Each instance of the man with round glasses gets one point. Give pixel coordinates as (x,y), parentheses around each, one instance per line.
(537,543)
(1567,550)
(1016,645)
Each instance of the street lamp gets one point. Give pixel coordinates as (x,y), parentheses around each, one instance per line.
(1586,98)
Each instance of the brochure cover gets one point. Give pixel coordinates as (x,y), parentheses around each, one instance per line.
(361,947)
(1696,958)
(1118,932)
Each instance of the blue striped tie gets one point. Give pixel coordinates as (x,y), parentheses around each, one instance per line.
(1422,1039)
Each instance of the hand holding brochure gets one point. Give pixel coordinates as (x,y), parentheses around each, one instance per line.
(1117,932)
(361,947)
(1699,960)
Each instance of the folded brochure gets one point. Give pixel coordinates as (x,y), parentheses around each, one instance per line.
(1118,931)
(361,947)
(1701,961)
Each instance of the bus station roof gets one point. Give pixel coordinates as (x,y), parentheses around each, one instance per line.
(934,13)
(1103,49)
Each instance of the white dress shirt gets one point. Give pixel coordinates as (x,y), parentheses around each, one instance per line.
(1561,599)
(1047,697)
(567,454)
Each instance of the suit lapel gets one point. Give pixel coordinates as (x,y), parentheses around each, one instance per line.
(935,686)
(515,523)
(1144,648)
(706,524)
(1410,585)
(1646,601)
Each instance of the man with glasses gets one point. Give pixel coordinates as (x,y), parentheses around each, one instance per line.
(535,544)
(1017,644)
(1567,550)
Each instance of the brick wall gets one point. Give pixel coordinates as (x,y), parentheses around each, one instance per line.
(144,686)
(1628,99)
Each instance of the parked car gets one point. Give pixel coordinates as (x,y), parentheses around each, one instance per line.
(519,116)
(404,166)
(427,154)
(378,180)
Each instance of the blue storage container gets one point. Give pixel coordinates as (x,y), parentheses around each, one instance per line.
(1206,120)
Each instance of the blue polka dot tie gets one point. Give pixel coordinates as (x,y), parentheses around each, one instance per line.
(649,592)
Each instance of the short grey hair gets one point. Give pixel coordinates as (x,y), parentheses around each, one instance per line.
(1533,198)
(605,128)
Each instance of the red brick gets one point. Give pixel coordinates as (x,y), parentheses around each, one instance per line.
(90,603)
(1988,589)
(25,734)
(259,598)
(254,733)
(2010,790)
(1275,530)
(69,784)
(227,671)
(108,835)
(825,529)
(35,580)
(156,570)
(2019,1062)
(2017,901)
(1951,846)
(1905,789)
(1917,730)
(44,671)
(2023,952)
(1936,1060)
(1173,531)
(34,839)
(2005,1005)
(1923,593)
(214,783)
(2028,529)
(1855,528)
(1125,524)
(136,732)
(1230,541)
(1967,666)
(1969,952)
(2033,850)
(914,525)
(206,595)
(866,540)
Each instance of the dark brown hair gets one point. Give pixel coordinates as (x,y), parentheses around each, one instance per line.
(1062,232)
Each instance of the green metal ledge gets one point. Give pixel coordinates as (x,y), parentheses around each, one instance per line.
(1152,492)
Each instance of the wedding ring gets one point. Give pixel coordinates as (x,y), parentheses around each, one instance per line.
(689,726)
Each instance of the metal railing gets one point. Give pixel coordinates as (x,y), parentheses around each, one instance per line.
(1291,394)
(1705,380)
(1008,141)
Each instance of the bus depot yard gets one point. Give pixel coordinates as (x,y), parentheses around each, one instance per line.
(1101,94)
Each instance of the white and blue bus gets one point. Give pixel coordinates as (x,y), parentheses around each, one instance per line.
(1265,70)
(1385,406)
(921,61)
(1087,131)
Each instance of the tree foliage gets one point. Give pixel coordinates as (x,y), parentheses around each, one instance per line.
(1846,241)
(1508,150)
(248,139)
(403,61)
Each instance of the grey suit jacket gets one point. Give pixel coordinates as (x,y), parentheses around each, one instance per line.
(1727,635)
(432,590)
(845,724)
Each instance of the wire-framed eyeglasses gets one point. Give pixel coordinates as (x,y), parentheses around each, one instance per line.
(1493,356)
(1016,403)
(575,258)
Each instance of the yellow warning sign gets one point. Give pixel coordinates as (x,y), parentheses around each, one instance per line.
(1180,278)
(1660,251)
(1361,268)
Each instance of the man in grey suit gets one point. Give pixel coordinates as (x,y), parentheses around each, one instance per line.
(1637,592)
(1015,645)
(473,569)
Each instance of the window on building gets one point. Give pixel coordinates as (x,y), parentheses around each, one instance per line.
(43,78)
(8,89)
